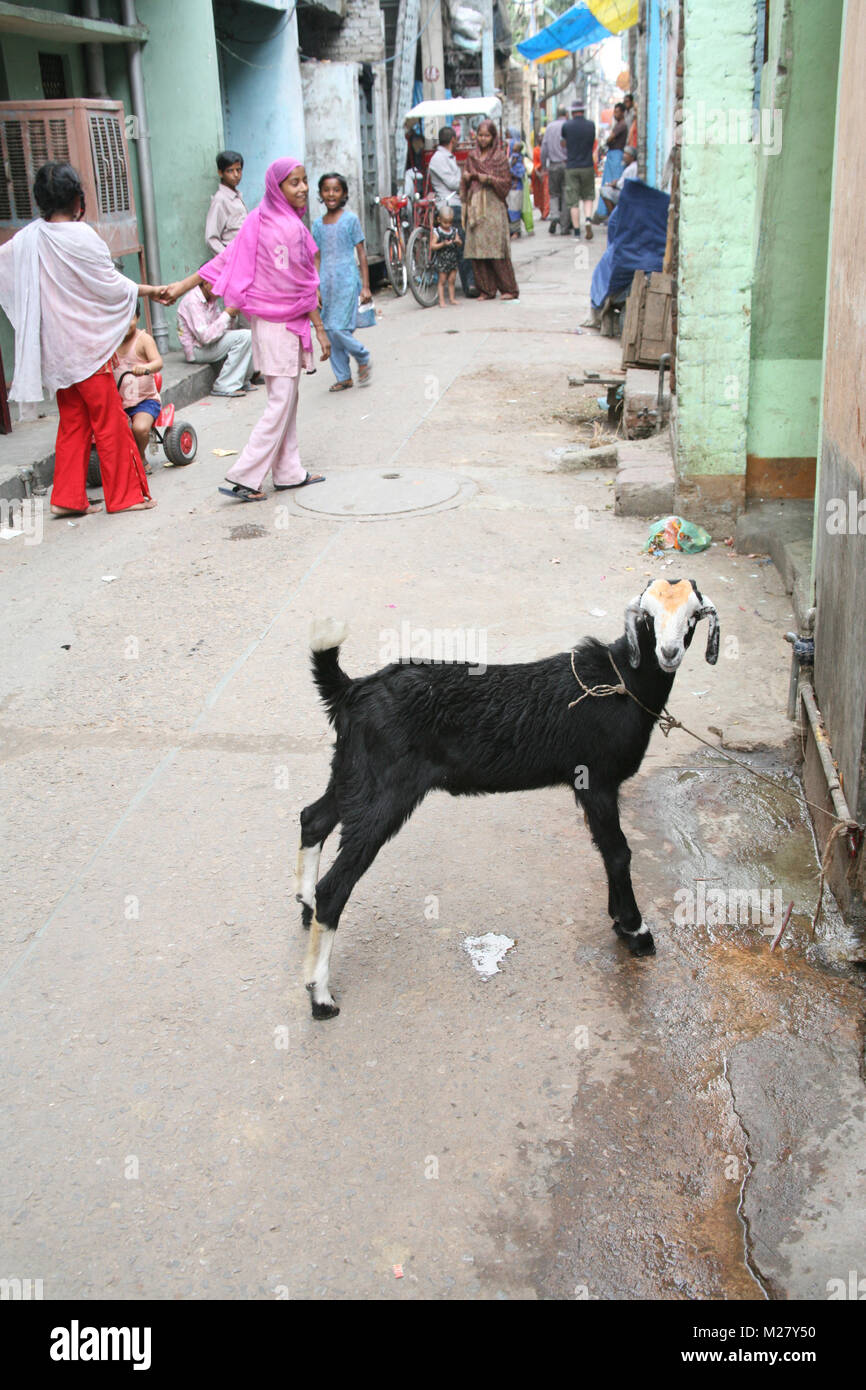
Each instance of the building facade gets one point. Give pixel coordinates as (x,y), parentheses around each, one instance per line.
(216,74)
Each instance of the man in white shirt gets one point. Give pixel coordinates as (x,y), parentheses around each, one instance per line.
(208,334)
(553,164)
(445,185)
(610,191)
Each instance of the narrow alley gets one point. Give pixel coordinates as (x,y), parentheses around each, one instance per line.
(581,1124)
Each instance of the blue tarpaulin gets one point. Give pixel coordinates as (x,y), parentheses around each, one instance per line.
(577,28)
(636,236)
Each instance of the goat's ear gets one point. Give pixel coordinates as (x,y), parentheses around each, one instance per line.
(632,617)
(708,610)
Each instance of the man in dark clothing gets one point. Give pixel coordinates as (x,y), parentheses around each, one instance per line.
(618,138)
(578,136)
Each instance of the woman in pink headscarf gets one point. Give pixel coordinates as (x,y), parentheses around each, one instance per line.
(269,272)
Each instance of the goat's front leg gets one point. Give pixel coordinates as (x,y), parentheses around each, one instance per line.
(602,814)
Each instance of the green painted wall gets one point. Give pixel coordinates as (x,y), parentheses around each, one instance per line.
(716,256)
(186,121)
(793,217)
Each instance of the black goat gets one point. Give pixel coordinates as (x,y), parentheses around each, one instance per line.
(413,727)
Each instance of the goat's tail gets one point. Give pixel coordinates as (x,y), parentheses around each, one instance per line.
(326,638)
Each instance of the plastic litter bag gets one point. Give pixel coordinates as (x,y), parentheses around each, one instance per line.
(467,21)
(366,315)
(673,533)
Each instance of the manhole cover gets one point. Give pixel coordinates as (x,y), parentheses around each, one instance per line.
(248,532)
(367,494)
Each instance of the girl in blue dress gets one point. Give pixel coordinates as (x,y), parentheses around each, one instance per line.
(338,235)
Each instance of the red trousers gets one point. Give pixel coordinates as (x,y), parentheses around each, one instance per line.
(541,193)
(91,410)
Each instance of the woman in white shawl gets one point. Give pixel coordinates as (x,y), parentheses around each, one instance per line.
(70,309)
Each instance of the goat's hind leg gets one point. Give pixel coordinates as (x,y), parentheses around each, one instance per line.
(317,821)
(359,845)
(602,814)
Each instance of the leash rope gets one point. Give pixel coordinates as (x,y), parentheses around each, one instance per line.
(666,721)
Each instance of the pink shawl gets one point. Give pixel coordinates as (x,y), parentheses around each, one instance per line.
(269,269)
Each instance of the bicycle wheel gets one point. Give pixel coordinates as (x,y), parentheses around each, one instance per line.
(423,276)
(395,262)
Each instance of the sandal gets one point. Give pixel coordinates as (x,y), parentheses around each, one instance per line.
(241,493)
(341,385)
(364,369)
(286,487)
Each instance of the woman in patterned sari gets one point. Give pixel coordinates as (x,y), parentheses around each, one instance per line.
(484,191)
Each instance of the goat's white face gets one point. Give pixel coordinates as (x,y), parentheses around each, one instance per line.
(674,609)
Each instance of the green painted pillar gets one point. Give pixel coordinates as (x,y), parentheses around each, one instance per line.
(717,208)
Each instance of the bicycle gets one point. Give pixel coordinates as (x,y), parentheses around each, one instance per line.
(423,275)
(395,250)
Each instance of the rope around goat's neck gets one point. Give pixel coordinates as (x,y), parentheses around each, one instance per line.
(597,689)
(666,722)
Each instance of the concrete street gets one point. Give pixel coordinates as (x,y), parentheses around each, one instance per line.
(580,1125)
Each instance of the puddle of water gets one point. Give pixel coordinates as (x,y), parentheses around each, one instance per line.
(742,850)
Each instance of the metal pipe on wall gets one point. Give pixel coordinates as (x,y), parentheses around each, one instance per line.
(834,785)
(94,58)
(145,174)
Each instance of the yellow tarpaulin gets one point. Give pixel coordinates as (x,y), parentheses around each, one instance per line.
(615,15)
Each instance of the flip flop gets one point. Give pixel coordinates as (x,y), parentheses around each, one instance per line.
(340,386)
(242,494)
(286,487)
(364,370)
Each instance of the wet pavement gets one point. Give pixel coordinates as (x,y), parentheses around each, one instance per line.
(715,1143)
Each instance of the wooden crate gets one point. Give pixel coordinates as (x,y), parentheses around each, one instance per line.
(646,332)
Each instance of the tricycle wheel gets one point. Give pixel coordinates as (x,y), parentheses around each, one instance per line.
(395,262)
(180,443)
(423,275)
